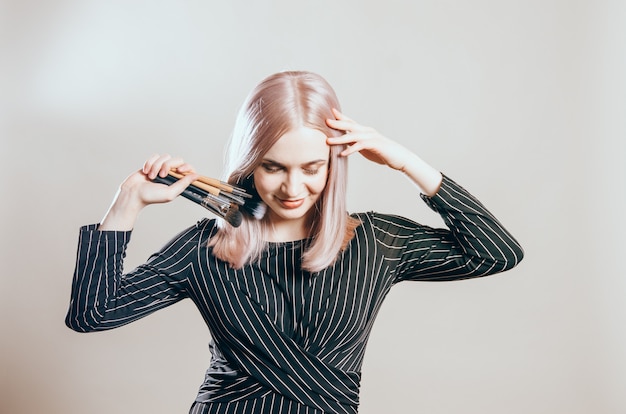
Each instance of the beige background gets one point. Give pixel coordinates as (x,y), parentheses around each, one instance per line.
(521,101)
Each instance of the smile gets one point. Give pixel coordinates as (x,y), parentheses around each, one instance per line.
(291,204)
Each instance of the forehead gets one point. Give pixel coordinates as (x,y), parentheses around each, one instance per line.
(299,146)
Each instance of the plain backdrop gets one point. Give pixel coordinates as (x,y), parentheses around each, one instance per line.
(523,102)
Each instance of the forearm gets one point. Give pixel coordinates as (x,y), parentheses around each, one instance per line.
(103,297)
(475,244)
(427,178)
(122,213)
(485,245)
(97,275)
(382,150)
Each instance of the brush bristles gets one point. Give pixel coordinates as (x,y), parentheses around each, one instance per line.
(234,217)
(224,205)
(256,208)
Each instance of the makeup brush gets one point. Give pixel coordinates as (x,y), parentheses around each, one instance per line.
(217,188)
(221,204)
(224,186)
(251,204)
(228,211)
(255,207)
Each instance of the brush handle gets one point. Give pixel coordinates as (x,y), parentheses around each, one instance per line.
(224,204)
(206,187)
(215,191)
(213,182)
(195,195)
(228,204)
(170,179)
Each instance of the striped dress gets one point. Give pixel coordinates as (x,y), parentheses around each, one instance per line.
(284,340)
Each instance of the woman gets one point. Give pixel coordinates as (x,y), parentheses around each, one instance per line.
(289,299)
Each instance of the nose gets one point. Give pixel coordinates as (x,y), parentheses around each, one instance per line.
(292,186)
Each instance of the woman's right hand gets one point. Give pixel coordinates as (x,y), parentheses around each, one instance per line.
(138,191)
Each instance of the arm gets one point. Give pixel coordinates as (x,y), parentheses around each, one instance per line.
(102,297)
(476,244)
(381,150)
(138,191)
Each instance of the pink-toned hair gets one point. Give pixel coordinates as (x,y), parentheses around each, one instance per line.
(280,103)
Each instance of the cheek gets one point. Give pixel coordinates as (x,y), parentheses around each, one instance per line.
(318,183)
(259,182)
(266,182)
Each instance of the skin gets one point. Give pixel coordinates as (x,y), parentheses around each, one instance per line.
(289,191)
(382,150)
(290,179)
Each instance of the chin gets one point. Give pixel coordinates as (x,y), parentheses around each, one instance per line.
(292,214)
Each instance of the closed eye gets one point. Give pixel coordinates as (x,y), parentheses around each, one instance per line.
(313,167)
(271,168)
(309,168)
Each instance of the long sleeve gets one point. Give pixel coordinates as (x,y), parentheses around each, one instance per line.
(474,245)
(285,339)
(103,297)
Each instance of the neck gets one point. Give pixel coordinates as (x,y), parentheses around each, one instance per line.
(288,230)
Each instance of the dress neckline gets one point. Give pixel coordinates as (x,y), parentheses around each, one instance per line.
(287,244)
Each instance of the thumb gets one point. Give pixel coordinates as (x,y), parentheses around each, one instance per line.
(179,186)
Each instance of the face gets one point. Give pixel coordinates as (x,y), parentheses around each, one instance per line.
(292,176)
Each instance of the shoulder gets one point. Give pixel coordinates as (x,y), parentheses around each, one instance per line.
(205,229)
(373,219)
(194,235)
(390,235)
(387,228)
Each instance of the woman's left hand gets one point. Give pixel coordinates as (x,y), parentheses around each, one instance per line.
(367,141)
(382,150)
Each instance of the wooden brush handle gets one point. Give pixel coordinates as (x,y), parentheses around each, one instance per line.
(214,182)
(198,183)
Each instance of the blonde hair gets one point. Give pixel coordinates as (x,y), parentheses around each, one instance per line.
(280,103)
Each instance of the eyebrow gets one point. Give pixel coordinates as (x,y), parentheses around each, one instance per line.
(306,164)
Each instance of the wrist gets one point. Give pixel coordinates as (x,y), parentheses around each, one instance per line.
(122,213)
(427,178)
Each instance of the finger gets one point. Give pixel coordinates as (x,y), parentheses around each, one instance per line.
(341,122)
(169,164)
(341,125)
(168,192)
(367,134)
(342,139)
(154,165)
(348,125)
(184,182)
(185,168)
(351,149)
(149,162)
(340,115)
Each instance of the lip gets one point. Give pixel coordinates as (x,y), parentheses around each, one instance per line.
(291,204)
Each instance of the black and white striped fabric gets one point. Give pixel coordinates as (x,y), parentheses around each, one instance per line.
(285,340)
